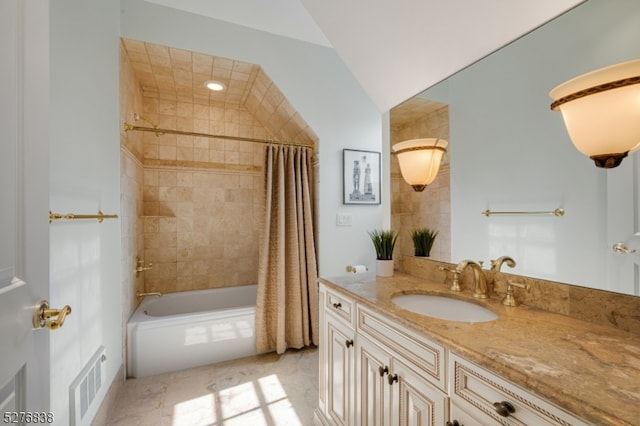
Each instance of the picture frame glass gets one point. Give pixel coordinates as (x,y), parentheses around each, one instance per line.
(361,177)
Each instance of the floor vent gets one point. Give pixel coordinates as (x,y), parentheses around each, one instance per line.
(84,389)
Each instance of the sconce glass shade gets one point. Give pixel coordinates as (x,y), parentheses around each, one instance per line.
(601,111)
(419,160)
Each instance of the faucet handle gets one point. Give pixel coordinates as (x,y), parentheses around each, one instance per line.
(455,285)
(509,300)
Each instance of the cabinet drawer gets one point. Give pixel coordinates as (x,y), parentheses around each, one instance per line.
(340,306)
(425,355)
(476,390)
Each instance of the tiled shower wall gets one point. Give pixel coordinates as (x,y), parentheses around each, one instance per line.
(430,208)
(198,200)
(202,197)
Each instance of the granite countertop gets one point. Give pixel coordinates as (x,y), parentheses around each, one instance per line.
(589,370)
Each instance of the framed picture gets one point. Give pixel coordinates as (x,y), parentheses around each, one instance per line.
(361,177)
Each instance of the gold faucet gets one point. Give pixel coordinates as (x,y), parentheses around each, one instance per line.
(496,264)
(480,288)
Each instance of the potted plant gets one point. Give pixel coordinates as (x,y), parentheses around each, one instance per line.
(423,239)
(384,241)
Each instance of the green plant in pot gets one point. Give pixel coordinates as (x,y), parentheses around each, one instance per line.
(384,241)
(423,239)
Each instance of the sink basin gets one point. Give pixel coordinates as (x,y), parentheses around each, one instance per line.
(443,307)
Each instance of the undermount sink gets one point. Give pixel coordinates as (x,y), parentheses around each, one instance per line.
(443,307)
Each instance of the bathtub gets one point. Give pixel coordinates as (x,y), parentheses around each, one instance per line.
(190,329)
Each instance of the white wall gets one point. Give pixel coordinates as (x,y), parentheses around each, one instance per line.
(316,83)
(84,178)
(510,152)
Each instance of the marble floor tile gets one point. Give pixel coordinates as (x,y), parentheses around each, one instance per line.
(263,390)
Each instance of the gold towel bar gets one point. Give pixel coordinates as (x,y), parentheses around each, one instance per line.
(71,216)
(556,212)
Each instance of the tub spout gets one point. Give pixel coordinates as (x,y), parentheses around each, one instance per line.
(155,293)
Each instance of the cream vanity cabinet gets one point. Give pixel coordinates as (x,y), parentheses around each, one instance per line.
(479,397)
(397,375)
(375,372)
(336,359)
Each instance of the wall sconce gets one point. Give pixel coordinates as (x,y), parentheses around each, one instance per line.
(601,110)
(419,160)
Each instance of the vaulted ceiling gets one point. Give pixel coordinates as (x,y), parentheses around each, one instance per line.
(394,48)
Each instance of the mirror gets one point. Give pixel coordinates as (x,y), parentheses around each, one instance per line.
(508,152)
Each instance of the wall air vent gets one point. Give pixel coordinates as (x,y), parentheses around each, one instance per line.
(85,388)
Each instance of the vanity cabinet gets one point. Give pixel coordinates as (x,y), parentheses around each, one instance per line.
(400,374)
(337,360)
(375,371)
(479,397)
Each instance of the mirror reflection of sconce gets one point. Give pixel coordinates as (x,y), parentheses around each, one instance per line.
(419,160)
(601,110)
(631,245)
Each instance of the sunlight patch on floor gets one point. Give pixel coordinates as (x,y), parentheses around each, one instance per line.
(261,402)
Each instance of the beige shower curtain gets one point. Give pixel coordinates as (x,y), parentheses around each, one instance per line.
(287,304)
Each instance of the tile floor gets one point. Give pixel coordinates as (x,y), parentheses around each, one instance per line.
(268,390)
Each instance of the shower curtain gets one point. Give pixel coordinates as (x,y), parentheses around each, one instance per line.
(287,304)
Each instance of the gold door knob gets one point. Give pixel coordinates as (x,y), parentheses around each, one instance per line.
(53,319)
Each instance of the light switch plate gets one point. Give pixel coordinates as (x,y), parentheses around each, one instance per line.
(344,219)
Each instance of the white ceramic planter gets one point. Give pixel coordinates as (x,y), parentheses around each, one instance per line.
(384,268)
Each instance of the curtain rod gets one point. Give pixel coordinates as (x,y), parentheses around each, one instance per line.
(159,131)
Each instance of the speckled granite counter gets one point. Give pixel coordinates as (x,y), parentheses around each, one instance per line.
(590,370)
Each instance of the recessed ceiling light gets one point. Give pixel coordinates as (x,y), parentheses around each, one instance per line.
(216,86)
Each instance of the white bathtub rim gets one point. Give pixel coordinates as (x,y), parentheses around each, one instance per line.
(144,321)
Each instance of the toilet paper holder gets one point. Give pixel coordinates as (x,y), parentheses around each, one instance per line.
(356,269)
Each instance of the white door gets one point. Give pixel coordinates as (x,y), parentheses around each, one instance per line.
(24,234)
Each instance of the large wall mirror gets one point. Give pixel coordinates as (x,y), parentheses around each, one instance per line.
(509,152)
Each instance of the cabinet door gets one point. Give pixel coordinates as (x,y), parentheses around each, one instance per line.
(340,369)
(416,402)
(372,396)
(463,418)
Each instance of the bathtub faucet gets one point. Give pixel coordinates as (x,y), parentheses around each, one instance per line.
(141,267)
(155,293)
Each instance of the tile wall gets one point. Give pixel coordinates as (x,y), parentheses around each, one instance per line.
(202,197)
(430,208)
(199,200)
